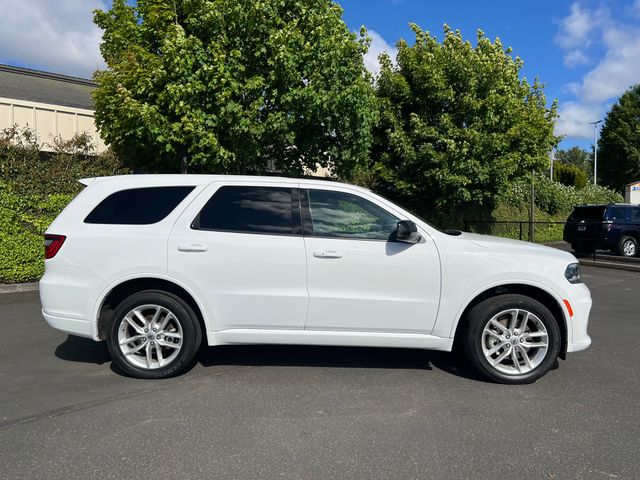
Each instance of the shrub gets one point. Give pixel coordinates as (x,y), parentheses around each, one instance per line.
(555,198)
(570,175)
(34,188)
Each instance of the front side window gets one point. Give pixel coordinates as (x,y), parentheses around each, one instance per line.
(343,215)
(138,206)
(248,210)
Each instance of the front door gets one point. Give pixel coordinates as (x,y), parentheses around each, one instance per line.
(359,279)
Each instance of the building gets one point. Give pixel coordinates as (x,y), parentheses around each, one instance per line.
(632,193)
(48,103)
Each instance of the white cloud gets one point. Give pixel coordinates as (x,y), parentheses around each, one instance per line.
(618,70)
(575,117)
(58,36)
(613,74)
(575,58)
(573,88)
(378,45)
(576,28)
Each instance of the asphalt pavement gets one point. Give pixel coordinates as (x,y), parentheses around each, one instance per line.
(266,412)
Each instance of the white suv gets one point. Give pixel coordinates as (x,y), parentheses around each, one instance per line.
(154,263)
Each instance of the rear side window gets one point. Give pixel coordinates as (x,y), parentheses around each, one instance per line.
(617,213)
(138,206)
(248,210)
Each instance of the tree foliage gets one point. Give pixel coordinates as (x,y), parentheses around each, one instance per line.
(569,175)
(458,124)
(576,156)
(619,144)
(232,84)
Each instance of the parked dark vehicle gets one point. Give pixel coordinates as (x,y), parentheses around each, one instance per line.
(614,227)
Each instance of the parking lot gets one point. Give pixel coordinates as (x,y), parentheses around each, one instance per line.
(310,412)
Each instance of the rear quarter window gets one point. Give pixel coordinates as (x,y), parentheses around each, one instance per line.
(138,206)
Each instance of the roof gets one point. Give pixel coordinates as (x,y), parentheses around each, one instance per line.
(632,183)
(196,179)
(37,86)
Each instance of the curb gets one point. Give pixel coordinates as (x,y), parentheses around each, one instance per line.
(18,287)
(611,265)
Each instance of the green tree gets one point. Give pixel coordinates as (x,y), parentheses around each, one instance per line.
(576,156)
(570,175)
(457,125)
(619,144)
(233,84)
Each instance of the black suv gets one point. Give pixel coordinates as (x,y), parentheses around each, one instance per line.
(614,227)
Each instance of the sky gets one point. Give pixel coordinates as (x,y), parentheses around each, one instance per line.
(586,52)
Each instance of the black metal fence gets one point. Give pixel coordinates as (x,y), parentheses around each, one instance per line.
(539,232)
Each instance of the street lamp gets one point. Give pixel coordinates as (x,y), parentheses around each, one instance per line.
(595,150)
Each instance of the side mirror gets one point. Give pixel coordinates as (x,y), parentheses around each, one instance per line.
(407,232)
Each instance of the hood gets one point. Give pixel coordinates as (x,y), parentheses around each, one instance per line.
(509,245)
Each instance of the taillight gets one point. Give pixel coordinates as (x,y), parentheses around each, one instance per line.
(52,244)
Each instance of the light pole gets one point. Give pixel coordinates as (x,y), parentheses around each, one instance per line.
(595,150)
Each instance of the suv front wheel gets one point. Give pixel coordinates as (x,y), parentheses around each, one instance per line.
(153,334)
(512,339)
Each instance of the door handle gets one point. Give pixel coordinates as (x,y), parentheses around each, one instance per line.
(327,254)
(192,247)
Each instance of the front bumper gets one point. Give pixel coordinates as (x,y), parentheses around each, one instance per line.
(578,338)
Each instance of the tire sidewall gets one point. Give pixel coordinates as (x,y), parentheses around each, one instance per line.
(480,315)
(623,240)
(190,330)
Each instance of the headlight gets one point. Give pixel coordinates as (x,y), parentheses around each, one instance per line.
(572,273)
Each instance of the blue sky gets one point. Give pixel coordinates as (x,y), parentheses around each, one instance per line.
(587,52)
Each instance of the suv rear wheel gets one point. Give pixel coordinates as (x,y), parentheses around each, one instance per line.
(153,334)
(628,246)
(512,339)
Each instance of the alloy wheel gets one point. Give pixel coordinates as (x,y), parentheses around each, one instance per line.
(150,336)
(515,341)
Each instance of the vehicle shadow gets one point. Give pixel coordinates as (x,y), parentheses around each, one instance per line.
(84,350)
(78,349)
(454,363)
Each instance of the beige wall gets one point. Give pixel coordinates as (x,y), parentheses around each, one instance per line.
(49,121)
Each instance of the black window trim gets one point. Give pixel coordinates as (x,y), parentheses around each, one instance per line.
(307,224)
(296,222)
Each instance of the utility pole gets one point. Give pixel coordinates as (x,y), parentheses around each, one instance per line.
(532,209)
(595,150)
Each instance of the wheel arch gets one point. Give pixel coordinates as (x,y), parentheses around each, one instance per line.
(127,287)
(531,291)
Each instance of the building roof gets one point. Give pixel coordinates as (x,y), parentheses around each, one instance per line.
(36,86)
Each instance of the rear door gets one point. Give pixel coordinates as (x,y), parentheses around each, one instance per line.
(239,246)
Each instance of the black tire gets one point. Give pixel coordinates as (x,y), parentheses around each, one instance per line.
(628,246)
(186,320)
(480,315)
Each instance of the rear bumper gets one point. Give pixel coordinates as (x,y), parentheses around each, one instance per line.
(74,326)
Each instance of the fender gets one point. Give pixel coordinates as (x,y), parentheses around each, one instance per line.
(107,290)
